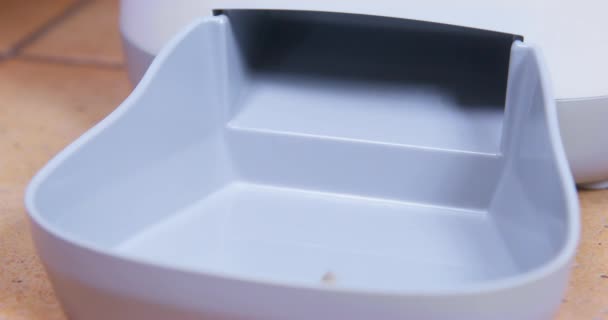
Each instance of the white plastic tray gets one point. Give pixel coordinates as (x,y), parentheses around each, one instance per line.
(276,165)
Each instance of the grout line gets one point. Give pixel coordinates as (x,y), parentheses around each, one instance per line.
(50,24)
(71,61)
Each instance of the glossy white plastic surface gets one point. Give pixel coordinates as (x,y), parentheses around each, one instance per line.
(571,33)
(584,132)
(195,200)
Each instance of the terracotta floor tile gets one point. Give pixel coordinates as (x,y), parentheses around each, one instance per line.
(43,107)
(25,292)
(587,296)
(21,18)
(90,35)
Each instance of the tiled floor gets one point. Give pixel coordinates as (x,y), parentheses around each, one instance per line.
(61,72)
(84,36)
(20,20)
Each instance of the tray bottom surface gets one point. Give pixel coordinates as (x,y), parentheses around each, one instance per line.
(304,237)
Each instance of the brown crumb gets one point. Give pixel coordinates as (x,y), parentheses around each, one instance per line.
(328,278)
(604,276)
